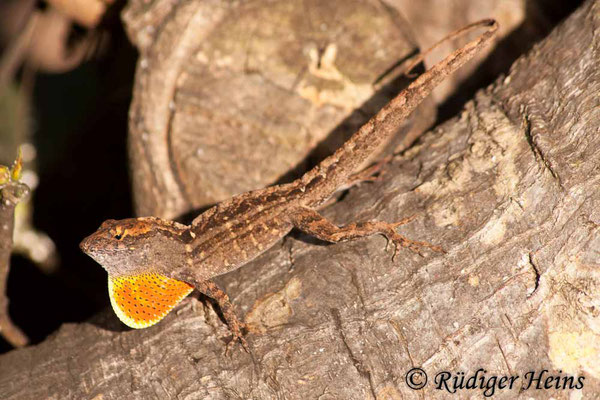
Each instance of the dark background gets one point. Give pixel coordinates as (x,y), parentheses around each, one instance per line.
(79,127)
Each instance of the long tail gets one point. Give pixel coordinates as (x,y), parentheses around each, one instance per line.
(334,171)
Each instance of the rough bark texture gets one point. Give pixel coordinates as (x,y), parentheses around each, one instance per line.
(509,189)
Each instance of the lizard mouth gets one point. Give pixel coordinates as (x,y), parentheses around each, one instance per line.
(143,300)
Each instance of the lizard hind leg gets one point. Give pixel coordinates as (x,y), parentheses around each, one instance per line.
(313,223)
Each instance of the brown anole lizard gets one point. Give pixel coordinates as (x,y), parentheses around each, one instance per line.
(152,263)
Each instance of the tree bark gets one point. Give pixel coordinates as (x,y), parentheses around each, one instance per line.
(509,188)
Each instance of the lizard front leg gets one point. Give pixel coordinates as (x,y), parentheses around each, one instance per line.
(210,289)
(313,223)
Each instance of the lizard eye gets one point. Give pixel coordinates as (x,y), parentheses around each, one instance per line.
(118,236)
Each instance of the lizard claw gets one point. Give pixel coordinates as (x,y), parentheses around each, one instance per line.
(399,240)
(238,336)
(234,341)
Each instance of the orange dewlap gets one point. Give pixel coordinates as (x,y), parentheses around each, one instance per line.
(142,300)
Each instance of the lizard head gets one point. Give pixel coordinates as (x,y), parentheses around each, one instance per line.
(137,253)
(137,245)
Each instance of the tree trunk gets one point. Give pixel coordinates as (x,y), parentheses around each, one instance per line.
(509,189)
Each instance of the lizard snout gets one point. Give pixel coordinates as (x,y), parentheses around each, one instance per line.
(85,244)
(89,244)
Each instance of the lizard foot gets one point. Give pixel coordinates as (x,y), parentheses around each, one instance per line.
(237,328)
(400,241)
